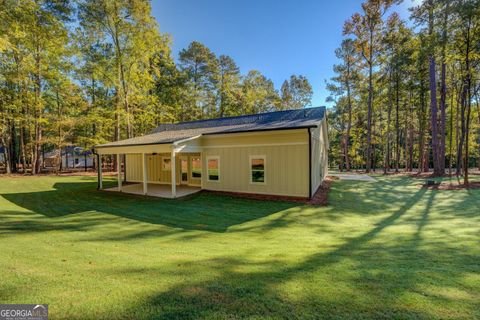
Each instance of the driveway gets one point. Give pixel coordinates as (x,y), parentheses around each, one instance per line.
(352,176)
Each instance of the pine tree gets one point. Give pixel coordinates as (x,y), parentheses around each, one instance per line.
(228,87)
(202,73)
(366,28)
(343,85)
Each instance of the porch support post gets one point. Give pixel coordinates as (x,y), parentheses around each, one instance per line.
(174,175)
(99,170)
(119,171)
(145,176)
(202,174)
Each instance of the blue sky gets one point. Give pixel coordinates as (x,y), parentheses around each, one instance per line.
(278,38)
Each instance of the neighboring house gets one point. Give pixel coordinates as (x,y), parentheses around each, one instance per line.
(282,153)
(72,158)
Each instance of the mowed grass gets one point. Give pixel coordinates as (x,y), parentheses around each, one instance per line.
(387,249)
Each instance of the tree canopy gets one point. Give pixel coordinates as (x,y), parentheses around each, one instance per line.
(407,94)
(80,73)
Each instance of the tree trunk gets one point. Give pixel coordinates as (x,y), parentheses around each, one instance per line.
(443,90)
(463,131)
(467,130)
(6,160)
(477,100)
(466,101)
(451,136)
(13,147)
(370,101)
(388,142)
(443,98)
(397,125)
(422,147)
(22,149)
(66,157)
(410,143)
(434,116)
(458,165)
(37,114)
(410,137)
(60,165)
(5,142)
(93,96)
(369,119)
(121,74)
(349,127)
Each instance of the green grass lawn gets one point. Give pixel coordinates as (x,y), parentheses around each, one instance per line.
(387,249)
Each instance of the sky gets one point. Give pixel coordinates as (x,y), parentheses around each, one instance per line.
(277,37)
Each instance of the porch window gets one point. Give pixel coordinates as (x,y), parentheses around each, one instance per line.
(257,169)
(196,167)
(213,168)
(184,169)
(166,164)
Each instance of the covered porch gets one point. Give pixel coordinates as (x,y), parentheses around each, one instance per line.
(166,170)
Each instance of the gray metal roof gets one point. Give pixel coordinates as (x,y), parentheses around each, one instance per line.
(278,120)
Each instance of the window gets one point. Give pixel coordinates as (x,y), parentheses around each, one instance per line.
(257,169)
(196,167)
(213,168)
(184,169)
(166,164)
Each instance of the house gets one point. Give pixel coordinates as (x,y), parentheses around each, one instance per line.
(73,157)
(281,153)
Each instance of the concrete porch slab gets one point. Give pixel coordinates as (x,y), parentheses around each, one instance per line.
(157,190)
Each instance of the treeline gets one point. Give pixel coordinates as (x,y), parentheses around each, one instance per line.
(407,93)
(90,71)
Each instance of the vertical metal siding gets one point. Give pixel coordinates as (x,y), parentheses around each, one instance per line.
(286,170)
(155,173)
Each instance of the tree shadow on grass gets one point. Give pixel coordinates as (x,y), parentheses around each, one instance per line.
(231,293)
(383,273)
(15,222)
(205,212)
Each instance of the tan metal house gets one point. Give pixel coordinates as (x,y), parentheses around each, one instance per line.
(282,153)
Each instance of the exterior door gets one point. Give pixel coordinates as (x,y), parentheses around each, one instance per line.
(184,170)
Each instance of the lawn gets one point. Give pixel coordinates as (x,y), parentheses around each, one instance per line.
(386,249)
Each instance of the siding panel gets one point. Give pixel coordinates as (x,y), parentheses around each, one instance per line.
(286,170)
(155,174)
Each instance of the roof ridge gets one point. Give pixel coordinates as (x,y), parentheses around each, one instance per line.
(245,115)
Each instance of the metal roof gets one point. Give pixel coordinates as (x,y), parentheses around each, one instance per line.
(277,120)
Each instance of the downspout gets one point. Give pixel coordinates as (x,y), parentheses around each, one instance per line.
(309,164)
(98,171)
